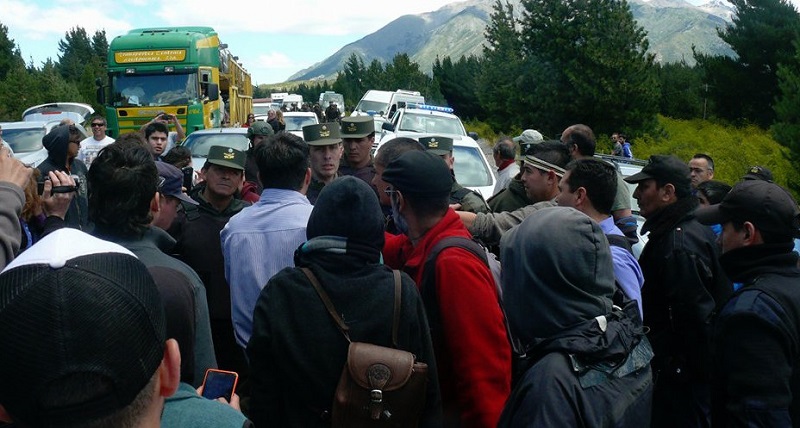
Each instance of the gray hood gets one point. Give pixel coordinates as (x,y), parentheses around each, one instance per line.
(557,272)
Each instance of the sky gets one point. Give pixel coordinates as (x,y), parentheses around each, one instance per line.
(273,39)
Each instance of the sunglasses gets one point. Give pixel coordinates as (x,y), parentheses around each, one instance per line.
(97,125)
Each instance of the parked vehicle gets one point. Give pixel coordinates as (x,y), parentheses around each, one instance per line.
(25,139)
(471,167)
(382,105)
(76,112)
(296,120)
(182,71)
(199,142)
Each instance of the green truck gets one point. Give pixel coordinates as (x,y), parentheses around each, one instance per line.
(181,71)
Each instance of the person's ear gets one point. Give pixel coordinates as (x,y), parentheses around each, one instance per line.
(749,233)
(580,195)
(155,203)
(667,192)
(169,372)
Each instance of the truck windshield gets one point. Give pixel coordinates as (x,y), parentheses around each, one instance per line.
(377,106)
(154,90)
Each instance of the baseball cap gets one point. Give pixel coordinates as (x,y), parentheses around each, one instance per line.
(437,145)
(357,126)
(418,172)
(227,157)
(260,128)
(172,183)
(322,134)
(78,314)
(667,169)
(758,172)
(529,136)
(765,204)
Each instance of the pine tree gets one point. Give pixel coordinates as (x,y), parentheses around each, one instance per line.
(10,56)
(786,129)
(595,65)
(761,35)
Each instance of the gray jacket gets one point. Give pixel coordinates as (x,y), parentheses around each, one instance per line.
(489,228)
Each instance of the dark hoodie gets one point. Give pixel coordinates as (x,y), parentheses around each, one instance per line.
(293,387)
(56,142)
(590,357)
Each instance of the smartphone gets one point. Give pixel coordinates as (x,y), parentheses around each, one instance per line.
(188,177)
(219,383)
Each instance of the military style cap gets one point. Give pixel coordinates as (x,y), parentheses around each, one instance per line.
(437,145)
(226,156)
(357,126)
(260,128)
(323,134)
(758,172)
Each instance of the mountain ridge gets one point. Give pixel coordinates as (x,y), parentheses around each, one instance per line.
(456,29)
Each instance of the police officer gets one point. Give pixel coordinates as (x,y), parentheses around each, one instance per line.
(470,200)
(358,134)
(325,152)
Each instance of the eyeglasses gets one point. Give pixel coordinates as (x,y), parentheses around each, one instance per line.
(97,125)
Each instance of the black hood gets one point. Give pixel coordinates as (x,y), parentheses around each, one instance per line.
(557,273)
(56,142)
(348,208)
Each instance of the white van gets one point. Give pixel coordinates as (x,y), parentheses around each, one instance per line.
(382,105)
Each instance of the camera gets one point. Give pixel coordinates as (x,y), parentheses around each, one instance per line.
(166,116)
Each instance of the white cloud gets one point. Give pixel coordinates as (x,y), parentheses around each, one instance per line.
(39,22)
(273,60)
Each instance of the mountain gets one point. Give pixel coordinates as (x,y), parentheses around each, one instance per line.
(673,27)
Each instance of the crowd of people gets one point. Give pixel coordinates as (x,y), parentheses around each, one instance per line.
(122,286)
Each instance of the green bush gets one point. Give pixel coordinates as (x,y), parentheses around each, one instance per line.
(734,149)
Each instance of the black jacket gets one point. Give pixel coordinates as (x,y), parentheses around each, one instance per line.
(756,378)
(296,351)
(683,284)
(586,377)
(78,212)
(196,230)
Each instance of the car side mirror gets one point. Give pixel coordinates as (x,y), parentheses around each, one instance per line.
(473,135)
(213,92)
(387,126)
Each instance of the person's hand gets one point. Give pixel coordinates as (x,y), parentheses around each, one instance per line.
(12,170)
(57,204)
(455,207)
(233,403)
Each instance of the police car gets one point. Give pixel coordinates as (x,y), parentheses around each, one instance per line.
(421,120)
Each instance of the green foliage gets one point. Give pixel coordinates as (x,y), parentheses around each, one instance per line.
(681,90)
(10,56)
(457,83)
(734,149)
(761,35)
(786,129)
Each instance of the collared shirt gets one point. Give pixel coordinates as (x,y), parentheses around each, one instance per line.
(505,175)
(256,244)
(626,269)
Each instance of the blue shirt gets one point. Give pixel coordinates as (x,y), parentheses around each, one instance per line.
(256,244)
(626,269)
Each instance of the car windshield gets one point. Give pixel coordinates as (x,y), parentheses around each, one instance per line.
(199,144)
(296,123)
(377,106)
(154,90)
(24,140)
(470,169)
(431,124)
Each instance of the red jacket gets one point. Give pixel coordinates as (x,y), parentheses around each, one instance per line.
(473,356)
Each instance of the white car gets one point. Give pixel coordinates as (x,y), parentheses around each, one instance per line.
(296,120)
(418,120)
(25,139)
(200,141)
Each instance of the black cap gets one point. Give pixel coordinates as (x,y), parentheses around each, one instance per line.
(757,172)
(665,169)
(76,309)
(765,204)
(420,173)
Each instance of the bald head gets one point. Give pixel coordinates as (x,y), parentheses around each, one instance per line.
(580,140)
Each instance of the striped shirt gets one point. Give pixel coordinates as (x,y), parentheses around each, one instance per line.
(256,244)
